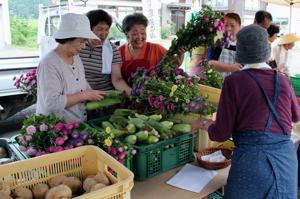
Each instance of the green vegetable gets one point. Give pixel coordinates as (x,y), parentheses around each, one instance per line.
(124,112)
(158,126)
(182,128)
(167,124)
(106,124)
(117,132)
(139,123)
(153,132)
(142,136)
(113,94)
(156,117)
(152,139)
(118,121)
(131,139)
(131,128)
(103,103)
(175,121)
(143,117)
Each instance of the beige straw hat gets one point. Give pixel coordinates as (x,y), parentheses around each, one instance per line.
(288,38)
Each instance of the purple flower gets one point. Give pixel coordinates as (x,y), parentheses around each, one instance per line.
(206,18)
(90,141)
(186,108)
(59,141)
(69,125)
(78,142)
(65,137)
(22,148)
(43,127)
(75,135)
(198,98)
(216,23)
(84,135)
(31,151)
(31,130)
(58,127)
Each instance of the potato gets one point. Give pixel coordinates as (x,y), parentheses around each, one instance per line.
(59,192)
(39,191)
(97,187)
(102,178)
(4,195)
(57,180)
(4,187)
(21,192)
(73,183)
(3,152)
(88,184)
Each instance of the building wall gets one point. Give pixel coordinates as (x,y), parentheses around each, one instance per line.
(5,37)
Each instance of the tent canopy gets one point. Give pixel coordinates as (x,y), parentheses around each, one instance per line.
(293,3)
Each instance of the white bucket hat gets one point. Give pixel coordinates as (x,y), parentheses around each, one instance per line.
(74,26)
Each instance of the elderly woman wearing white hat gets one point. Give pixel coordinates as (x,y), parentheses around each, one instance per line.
(282,54)
(62,87)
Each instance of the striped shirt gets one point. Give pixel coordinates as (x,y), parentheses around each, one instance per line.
(92,61)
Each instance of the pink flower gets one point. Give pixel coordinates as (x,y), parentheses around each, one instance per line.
(121,161)
(40,153)
(211,29)
(43,127)
(172,107)
(65,131)
(28,87)
(150,100)
(58,127)
(58,149)
(206,18)
(28,138)
(133,152)
(120,149)
(75,124)
(216,23)
(31,151)
(50,149)
(69,126)
(113,151)
(59,141)
(31,130)
(190,84)
(23,148)
(122,155)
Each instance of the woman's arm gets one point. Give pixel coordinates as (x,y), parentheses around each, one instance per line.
(117,79)
(222,67)
(91,95)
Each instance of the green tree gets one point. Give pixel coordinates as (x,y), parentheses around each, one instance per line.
(24,32)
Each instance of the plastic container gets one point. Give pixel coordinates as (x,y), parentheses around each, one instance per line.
(215,195)
(80,162)
(295,81)
(12,152)
(212,93)
(157,158)
(201,137)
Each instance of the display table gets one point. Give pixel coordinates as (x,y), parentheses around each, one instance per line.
(156,187)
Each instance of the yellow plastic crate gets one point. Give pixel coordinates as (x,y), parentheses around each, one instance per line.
(212,93)
(80,162)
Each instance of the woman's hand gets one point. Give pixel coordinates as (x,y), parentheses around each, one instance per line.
(201,123)
(93,95)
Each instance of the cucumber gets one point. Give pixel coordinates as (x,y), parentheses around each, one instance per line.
(113,94)
(103,103)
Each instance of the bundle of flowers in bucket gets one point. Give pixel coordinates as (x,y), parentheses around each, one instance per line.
(27,83)
(42,134)
(166,88)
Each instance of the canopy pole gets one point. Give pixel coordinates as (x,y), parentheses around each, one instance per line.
(291,14)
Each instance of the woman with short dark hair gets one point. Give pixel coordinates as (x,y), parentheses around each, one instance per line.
(138,52)
(101,58)
(273,31)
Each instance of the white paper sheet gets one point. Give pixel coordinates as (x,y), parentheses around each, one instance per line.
(192,178)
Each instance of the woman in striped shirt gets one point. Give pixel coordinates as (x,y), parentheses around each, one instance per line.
(101,59)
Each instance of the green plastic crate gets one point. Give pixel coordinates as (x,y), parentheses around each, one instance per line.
(215,195)
(157,158)
(295,81)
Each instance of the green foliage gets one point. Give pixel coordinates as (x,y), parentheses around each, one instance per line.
(26,8)
(24,32)
(210,77)
(165,32)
